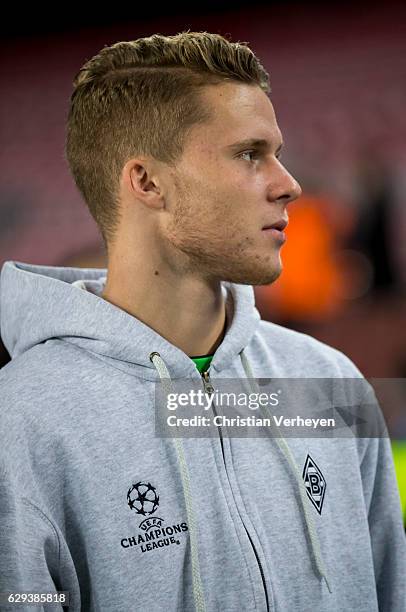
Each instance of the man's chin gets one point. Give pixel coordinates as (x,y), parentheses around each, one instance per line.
(267,278)
(264,276)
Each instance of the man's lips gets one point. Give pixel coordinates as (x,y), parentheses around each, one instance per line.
(278,225)
(276,230)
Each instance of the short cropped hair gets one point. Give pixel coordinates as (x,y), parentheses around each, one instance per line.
(141,97)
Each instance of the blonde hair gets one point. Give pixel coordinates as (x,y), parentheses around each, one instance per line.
(141,97)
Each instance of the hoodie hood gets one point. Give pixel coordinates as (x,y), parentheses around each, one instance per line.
(40,303)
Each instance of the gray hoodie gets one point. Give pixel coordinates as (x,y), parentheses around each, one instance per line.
(94,503)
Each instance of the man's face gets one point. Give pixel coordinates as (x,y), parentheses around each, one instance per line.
(227,187)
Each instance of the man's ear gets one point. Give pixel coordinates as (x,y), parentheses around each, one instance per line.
(140,181)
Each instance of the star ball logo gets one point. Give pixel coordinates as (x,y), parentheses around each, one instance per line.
(144,499)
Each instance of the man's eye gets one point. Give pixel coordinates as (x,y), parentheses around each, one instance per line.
(254,155)
(249,155)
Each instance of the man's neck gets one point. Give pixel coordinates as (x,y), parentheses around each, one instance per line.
(188,312)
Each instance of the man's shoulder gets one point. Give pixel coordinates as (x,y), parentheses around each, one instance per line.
(40,362)
(37,381)
(305,354)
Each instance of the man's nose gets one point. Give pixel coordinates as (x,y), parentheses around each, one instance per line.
(289,188)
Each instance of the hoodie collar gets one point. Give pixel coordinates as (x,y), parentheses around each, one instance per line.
(39,303)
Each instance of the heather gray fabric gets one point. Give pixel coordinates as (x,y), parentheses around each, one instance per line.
(78,447)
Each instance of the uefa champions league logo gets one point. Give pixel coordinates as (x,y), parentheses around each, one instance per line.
(153,535)
(142,497)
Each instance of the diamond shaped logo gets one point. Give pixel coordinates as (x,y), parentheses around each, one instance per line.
(314,483)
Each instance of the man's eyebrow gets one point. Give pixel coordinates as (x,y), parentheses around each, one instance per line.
(255,143)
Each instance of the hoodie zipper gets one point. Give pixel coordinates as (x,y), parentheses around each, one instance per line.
(209,389)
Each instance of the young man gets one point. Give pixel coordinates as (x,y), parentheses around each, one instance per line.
(174,144)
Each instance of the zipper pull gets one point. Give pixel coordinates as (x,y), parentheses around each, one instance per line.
(208,387)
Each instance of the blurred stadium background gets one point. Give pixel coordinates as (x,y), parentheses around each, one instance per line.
(338,75)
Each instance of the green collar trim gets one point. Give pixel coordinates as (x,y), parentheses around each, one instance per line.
(202,362)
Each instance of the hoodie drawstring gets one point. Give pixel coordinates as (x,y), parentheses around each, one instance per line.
(198,594)
(283,445)
(164,375)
